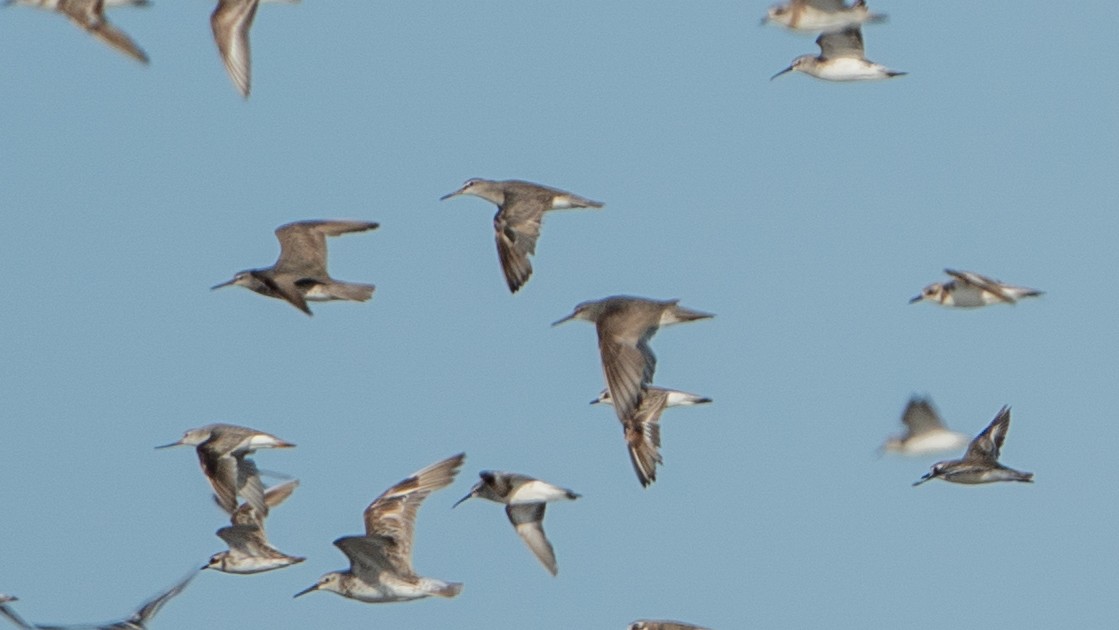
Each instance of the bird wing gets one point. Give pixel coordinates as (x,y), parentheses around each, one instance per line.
(921,417)
(627,362)
(391,517)
(845,43)
(303,245)
(516,228)
(89,15)
(986,446)
(829,6)
(994,287)
(230,22)
(152,606)
(528,520)
(369,556)
(643,438)
(244,538)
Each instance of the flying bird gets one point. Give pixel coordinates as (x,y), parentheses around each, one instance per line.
(249,550)
(89,15)
(971,290)
(980,463)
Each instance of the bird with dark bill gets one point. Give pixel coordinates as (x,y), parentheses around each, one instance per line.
(980,463)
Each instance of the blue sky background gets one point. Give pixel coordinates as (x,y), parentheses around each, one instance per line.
(804,214)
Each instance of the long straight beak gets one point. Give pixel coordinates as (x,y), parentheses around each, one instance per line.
(224,284)
(565,319)
(915,299)
(789,69)
(461,500)
(923,479)
(313,587)
(170,445)
(449,195)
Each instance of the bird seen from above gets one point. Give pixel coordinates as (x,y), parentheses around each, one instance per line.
(230,22)
(841,58)
(821,16)
(381,560)
(980,463)
(625,325)
(249,550)
(525,499)
(642,428)
(520,209)
(299,274)
(925,432)
(971,290)
(89,15)
(223,451)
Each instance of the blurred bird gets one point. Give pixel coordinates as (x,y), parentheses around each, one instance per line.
(139,619)
(971,290)
(300,272)
(925,431)
(841,58)
(645,624)
(381,560)
(89,15)
(821,16)
(524,498)
(231,21)
(520,209)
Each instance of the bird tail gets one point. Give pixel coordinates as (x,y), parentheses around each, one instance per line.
(449,590)
(351,291)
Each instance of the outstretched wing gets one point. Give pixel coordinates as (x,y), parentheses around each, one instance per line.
(985,447)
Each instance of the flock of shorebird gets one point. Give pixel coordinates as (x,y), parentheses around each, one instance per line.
(380,559)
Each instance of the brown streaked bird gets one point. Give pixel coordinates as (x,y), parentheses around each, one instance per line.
(249,550)
(231,21)
(223,451)
(967,289)
(646,624)
(625,325)
(525,499)
(381,560)
(643,430)
(520,209)
(89,15)
(299,274)
(139,619)
(980,463)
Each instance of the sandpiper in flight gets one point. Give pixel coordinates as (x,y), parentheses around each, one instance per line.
(300,272)
(821,16)
(980,463)
(89,15)
(139,619)
(645,624)
(223,451)
(971,290)
(381,560)
(841,59)
(925,432)
(249,550)
(231,21)
(625,325)
(642,429)
(520,209)
(524,498)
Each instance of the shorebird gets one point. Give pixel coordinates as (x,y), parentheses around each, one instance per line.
(9,614)
(300,272)
(249,550)
(524,498)
(520,209)
(642,429)
(925,432)
(381,560)
(89,15)
(223,451)
(645,624)
(971,290)
(980,463)
(625,325)
(841,59)
(821,16)
(139,619)
(231,21)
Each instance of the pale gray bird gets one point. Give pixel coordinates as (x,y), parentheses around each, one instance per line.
(645,624)
(642,429)
(300,272)
(223,451)
(231,21)
(925,432)
(980,463)
(524,498)
(841,58)
(821,16)
(625,325)
(249,550)
(520,209)
(89,15)
(971,290)
(139,619)
(381,560)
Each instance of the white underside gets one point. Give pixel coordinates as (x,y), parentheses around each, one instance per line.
(537,492)
(848,69)
(933,442)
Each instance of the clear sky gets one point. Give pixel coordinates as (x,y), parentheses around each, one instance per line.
(804,214)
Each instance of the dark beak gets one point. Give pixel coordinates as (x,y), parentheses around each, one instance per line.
(789,69)
(313,587)
(922,480)
(461,500)
(915,299)
(565,319)
(224,284)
